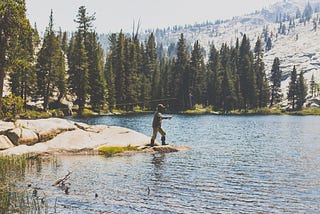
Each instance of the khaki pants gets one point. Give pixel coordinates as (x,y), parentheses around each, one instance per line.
(156,130)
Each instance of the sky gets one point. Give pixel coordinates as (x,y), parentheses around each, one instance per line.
(116,15)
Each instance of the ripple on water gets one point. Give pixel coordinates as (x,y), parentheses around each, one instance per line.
(236,165)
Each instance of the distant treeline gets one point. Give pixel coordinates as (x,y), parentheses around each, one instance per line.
(133,73)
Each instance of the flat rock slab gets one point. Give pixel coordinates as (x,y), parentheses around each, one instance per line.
(82,140)
(20,136)
(47,129)
(56,136)
(5,143)
(163,149)
(6,126)
(169,148)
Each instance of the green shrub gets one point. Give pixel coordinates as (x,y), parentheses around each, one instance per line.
(11,107)
(32,114)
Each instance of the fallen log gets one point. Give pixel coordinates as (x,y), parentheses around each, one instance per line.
(61,180)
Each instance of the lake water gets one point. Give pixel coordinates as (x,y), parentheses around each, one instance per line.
(237,164)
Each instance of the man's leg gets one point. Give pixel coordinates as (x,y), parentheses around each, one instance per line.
(163,136)
(154,135)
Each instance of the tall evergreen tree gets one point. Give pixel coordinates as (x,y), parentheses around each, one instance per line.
(22,76)
(119,70)
(293,88)
(235,75)
(36,38)
(150,69)
(109,72)
(87,64)
(78,71)
(263,93)
(196,79)
(97,85)
(228,94)
(312,85)
(13,20)
(64,42)
(214,83)
(301,91)
(131,72)
(275,80)
(110,83)
(50,65)
(179,79)
(247,75)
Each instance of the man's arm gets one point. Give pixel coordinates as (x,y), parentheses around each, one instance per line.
(168,117)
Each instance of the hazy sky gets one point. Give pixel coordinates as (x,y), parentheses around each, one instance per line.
(114,15)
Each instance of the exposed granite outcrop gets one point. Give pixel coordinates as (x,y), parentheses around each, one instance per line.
(56,135)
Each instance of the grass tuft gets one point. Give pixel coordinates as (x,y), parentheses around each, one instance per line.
(111,150)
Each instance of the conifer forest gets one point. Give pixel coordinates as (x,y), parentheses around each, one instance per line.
(133,73)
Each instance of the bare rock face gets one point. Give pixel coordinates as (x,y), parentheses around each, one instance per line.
(63,136)
(5,142)
(47,129)
(20,136)
(6,126)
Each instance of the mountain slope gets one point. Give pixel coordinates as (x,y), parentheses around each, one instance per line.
(298,45)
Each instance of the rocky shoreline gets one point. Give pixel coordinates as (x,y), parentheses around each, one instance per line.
(56,135)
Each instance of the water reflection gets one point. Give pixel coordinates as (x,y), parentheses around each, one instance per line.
(158,160)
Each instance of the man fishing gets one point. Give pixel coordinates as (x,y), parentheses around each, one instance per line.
(156,125)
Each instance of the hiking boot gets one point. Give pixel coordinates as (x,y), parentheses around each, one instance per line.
(163,141)
(152,143)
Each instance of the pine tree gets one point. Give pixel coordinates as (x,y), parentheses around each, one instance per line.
(119,70)
(97,85)
(268,44)
(64,42)
(275,79)
(312,85)
(13,20)
(131,71)
(166,70)
(150,69)
(86,64)
(22,76)
(214,83)
(109,72)
(293,88)
(234,60)
(61,75)
(247,75)
(308,11)
(78,71)
(36,38)
(228,94)
(301,91)
(50,65)
(179,78)
(110,83)
(196,82)
(263,93)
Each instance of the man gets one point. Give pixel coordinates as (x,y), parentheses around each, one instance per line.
(156,125)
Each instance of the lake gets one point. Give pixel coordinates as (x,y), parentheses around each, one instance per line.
(237,164)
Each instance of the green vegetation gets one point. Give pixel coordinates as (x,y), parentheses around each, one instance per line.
(306,111)
(11,107)
(133,74)
(111,150)
(199,109)
(13,199)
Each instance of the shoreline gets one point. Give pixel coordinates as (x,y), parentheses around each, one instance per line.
(63,136)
